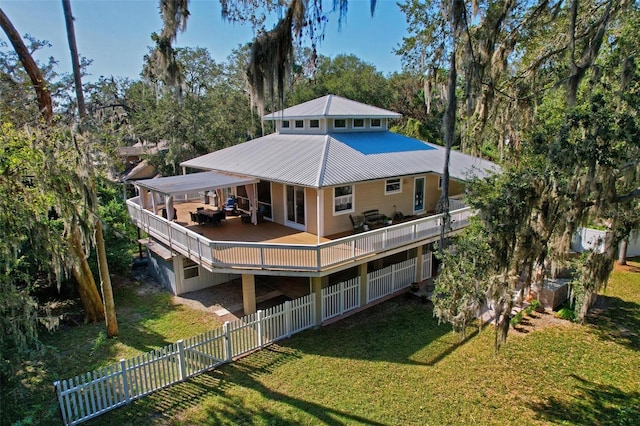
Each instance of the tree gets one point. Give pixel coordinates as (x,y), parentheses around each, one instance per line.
(107,292)
(80,268)
(570,136)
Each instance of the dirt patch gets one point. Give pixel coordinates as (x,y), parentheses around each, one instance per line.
(626,268)
(538,321)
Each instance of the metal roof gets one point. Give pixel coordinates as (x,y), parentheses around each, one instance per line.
(338,158)
(194,182)
(331,106)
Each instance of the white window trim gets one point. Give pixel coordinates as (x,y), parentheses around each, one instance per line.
(295,124)
(190,267)
(353,200)
(335,126)
(397,191)
(374,126)
(358,127)
(439,182)
(288,124)
(312,127)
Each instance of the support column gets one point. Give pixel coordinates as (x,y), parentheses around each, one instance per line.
(249,293)
(316,287)
(144,198)
(169,206)
(418,264)
(364,283)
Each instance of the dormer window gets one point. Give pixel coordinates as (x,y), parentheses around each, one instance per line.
(314,124)
(358,123)
(375,122)
(285,124)
(340,123)
(299,124)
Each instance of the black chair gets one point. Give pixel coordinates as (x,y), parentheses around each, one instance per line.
(194,217)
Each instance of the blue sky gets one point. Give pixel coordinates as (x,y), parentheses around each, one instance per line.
(116,34)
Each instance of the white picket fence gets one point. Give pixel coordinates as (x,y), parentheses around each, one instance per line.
(340,298)
(427,262)
(92,394)
(386,281)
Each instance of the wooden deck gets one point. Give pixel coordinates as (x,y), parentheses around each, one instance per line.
(232,229)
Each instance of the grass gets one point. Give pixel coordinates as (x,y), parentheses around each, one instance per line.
(391,364)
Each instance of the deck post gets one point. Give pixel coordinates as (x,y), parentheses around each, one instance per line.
(249,293)
(418,264)
(316,287)
(364,283)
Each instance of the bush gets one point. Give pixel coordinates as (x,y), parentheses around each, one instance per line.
(566,314)
(535,303)
(517,319)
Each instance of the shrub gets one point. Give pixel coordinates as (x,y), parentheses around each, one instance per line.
(535,303)
(517,319)
(566,314)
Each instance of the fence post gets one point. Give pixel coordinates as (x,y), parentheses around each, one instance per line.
(125,383)
(259,320)
(227,341)
(287,317)
(313,309)
(181,360)
(341,297)
(63,412)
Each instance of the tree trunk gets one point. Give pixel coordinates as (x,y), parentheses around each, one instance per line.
(107,291)
(622,254)
(105,278)
(73,47)
(37,80)
(94,310)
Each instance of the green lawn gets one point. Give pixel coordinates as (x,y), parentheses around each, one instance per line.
(391,365)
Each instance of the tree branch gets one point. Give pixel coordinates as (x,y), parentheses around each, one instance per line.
(37,80)
(628,196)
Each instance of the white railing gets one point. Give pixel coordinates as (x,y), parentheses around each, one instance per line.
(340,298)
(88,395)
(386,281)
(299,257)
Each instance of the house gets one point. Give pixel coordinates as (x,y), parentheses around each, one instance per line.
(303,192)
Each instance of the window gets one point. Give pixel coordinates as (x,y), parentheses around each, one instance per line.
(375,122)
(358,123)
(285,124)
(439,182)
(393,186)
(299,124)
(339,123)
(314,124)
(343,199)
(190,269)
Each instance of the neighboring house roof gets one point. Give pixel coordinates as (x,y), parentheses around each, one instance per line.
(142,170)
(338,158)
(331,106)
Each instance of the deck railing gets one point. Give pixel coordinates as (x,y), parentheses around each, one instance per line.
(298,257)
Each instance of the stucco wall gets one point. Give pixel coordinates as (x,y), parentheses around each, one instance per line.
(162,271)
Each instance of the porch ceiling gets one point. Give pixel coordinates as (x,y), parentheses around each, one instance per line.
(194,182)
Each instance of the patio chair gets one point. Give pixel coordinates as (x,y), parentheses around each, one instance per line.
(195,218)
(357,223)
(231,206)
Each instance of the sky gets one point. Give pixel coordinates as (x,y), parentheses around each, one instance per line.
(116,34)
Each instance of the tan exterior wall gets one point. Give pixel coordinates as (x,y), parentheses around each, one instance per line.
(311,212)
(277,202)
(367,196)
(432,192)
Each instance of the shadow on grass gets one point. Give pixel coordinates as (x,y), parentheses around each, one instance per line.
(593,405)
(169,404)
(400,330)
(617,320)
